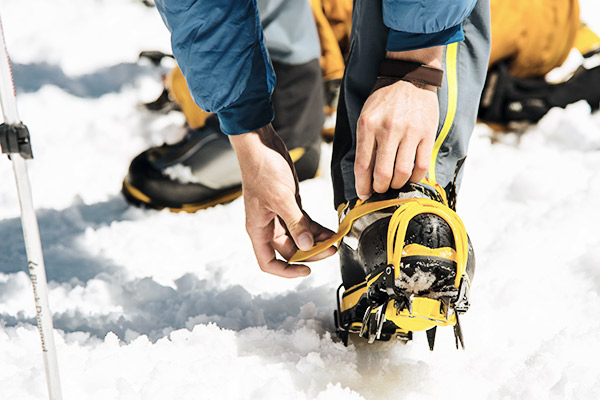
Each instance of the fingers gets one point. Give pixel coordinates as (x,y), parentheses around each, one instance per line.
(271,201)
(364,160)
(320,234)
(286,247)
(394,137)
(383,170)
(394,163)
(422,161)
(389,160)
(283,269)
(322,255)
(272,238)
(297,223)
(405,164)
(265,247)
(267,258)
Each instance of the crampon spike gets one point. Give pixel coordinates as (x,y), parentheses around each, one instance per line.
(431,337)
(372,328)
(380,319)
(458,336)
(365,322)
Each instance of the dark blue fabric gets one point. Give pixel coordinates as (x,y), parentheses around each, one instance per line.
(425,16)
(404,41)
(252,110)
(220,49)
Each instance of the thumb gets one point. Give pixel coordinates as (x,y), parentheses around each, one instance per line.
(298,225)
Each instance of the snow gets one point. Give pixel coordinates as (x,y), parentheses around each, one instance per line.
(156,305)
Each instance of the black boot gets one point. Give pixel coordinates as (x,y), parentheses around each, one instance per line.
(202,170)
(197,172)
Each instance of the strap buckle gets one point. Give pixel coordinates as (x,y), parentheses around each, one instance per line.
(14,138)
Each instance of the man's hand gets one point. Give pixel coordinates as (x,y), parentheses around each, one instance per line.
(396,131)
(272,204)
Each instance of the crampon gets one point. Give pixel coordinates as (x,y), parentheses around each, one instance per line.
(407,265)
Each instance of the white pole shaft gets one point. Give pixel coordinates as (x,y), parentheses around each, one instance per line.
(31,233)
(37,272)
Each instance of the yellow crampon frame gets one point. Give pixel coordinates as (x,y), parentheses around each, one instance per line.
(413,313)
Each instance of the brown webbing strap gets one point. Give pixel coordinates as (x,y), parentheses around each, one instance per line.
(395,70)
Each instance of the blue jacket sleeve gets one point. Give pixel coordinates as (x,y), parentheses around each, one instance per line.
(219,47)
(416,24)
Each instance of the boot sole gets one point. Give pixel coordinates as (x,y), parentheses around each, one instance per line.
(138,198)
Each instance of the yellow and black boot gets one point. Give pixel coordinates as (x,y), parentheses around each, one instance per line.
(198,172)
(201,170)
(406,264)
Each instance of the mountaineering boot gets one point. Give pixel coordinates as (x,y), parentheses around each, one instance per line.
(201,170)
(406,264)
(197,172)
(405,267)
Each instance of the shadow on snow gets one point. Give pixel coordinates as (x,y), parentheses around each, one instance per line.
(31,77)
(145,306)
(59,231)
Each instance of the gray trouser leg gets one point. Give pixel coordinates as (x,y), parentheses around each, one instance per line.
(465,66)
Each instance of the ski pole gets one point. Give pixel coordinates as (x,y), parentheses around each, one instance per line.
(14,140)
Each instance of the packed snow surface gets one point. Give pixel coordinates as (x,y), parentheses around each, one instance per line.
(155,305)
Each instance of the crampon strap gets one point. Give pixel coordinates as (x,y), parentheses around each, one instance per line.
(360,210)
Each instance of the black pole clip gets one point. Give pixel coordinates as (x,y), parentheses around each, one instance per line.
(14,138)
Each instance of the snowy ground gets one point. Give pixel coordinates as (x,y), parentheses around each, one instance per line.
(155,305)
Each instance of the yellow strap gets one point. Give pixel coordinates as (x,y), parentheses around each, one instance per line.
(422,205)
(399,224)
(414,249)
(361,209)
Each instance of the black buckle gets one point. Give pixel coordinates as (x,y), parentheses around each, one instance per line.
(14,138)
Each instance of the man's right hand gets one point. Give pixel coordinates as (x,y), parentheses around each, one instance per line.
(275,220)
(396,130)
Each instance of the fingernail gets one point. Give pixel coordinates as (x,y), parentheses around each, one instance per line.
(305,242)
(304,271)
